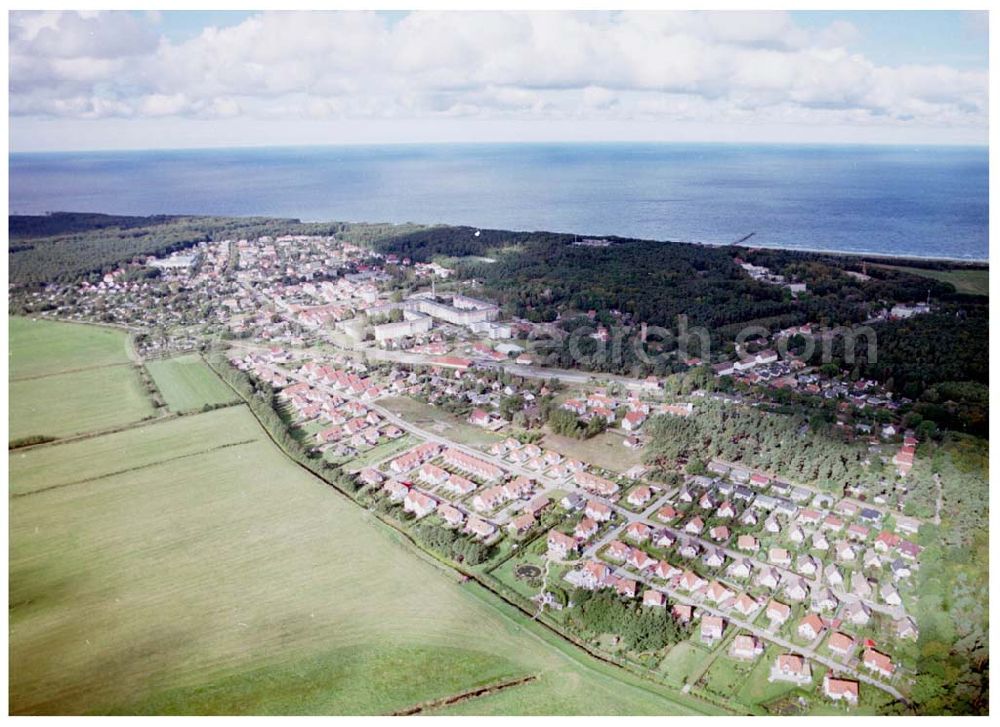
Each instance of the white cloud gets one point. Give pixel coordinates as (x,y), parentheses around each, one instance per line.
(628,66)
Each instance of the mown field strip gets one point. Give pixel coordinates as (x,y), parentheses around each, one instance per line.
(188,384)
(133,469)
(92,457)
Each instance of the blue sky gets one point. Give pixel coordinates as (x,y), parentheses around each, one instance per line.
(958,39)
(225,78)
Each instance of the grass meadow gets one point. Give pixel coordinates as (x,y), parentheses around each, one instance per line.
(975,281)
(61,405)
(215,576)
(68,379)
(188,384)
(41,348)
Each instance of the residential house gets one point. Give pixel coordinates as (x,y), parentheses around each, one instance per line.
(745,604)
(791,668)
(860,586)
(711,628)
(833,575)
(458,485)
(651,597)
(689,549)
(690,582)
(667,514)
(694,526)
(637,532)
(845,551)
(594,575)
(663,538)
(840,643)
(810,627)
(682,613)
(489,499)
(396,490)
(857,613)
(878,662)
(768,578)
(840,689)
(666,571)
(640,560)
(585,529)
(796,588)
(746,647)
(719,533)
(617,551)
(639,496)
(824,600)
(715,558)
(819,541)
(740,568)
(419,504)
(479,528)
(900,569)
(906,628)
(522,523)
(717,593)
(889,594)
(778,612)
(807,565)
(597,511)
(779,557)
(561,545)
(452,515)
(725,510)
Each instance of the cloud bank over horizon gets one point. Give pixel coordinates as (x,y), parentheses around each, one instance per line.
(87,80)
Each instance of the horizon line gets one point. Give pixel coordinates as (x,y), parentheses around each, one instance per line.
(554,142)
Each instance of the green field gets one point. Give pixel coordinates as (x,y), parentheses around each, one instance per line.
(69,379)
(61,405)
(41,348)
(188,384)
(200,571)
(974,281)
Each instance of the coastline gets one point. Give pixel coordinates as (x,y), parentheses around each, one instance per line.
(968,262)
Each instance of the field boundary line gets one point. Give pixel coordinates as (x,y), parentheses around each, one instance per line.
(84,481)
(35,377)
(465,696)
(98,433)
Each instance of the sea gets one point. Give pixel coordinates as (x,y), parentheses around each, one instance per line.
(928,201)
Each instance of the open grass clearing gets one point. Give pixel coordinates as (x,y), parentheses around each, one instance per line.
(88,400)
(604,450)
(188,384)
(68,379)
(682,659)
(41,348)
(439,421)
(381,452)
(974,281)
